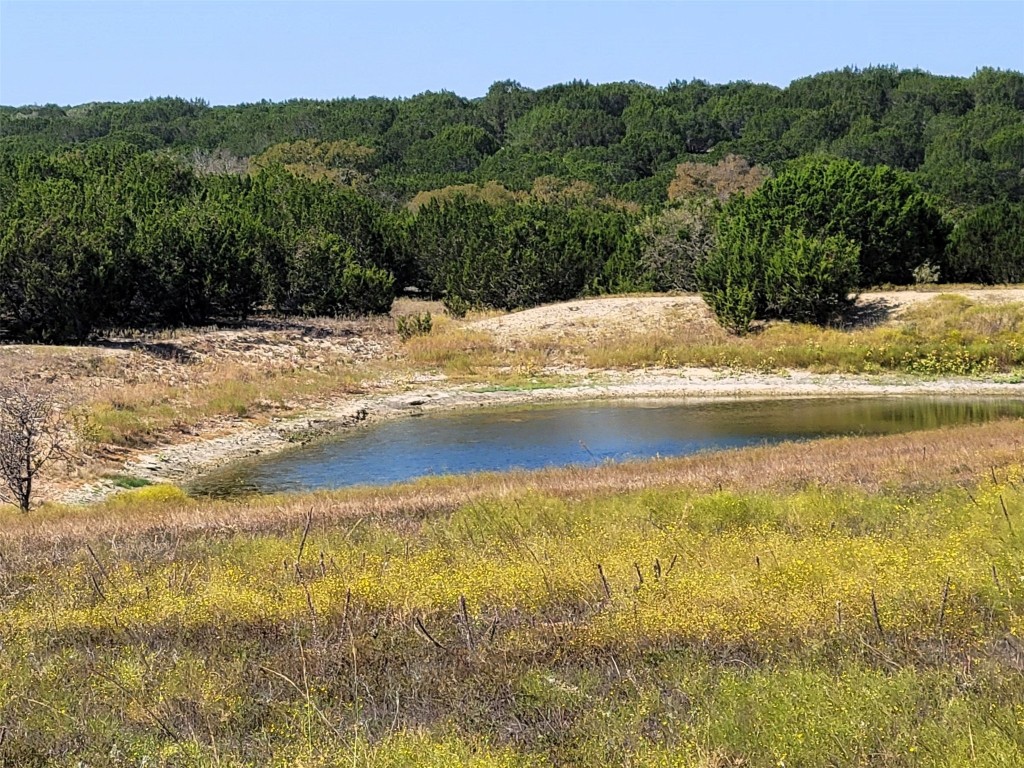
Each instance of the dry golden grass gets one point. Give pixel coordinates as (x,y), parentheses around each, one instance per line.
(146,411)
(929,459)
(140,390)
(948,335)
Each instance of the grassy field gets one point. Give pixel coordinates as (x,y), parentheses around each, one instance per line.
(854,601)
(847,602)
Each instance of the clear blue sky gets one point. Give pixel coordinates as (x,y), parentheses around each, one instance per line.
(233,52)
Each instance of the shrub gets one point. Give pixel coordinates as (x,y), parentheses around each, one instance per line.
(516,255)
(413,325)
(879,209)
(455,305)
(674,243)
(326,278)
(809,279)
(60,270)
(927,274)
(729,279)
(365,289)
(625,271)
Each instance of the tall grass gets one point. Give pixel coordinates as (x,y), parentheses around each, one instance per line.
(140,414)
(949,335)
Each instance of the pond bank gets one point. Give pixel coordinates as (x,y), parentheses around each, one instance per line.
(181,462)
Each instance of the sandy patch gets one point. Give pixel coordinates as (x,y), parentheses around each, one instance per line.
(598,317)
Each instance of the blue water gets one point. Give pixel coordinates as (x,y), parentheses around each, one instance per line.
(535,437)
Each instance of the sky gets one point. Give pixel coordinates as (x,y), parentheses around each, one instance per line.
(236,51)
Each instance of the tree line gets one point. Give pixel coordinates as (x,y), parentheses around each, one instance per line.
(464,200)
(962,137)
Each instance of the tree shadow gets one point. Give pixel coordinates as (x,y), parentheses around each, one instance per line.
(867,314)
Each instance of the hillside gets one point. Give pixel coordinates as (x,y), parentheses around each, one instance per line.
(961,137)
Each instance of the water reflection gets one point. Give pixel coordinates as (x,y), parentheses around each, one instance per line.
(534,437)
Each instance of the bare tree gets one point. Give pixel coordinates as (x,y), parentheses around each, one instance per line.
(675,242)
(221,162)
(32,434)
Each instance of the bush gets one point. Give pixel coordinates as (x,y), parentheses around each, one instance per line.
(61,263)
(365,289)
(624,271)
(809,279)
(927,274)
(515,255)
(456,306)
(729,280)
(795,277)
(326,278)
(674,243)
(879,209)
(413,325)
(987,246)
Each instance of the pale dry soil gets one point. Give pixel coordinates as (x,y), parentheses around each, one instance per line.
(185,357)
(608,316)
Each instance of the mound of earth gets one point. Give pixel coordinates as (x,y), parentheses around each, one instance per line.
(603,317)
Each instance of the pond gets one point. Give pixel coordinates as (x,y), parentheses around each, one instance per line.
(533,437)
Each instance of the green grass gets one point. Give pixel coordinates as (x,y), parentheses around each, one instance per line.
(128,481)
(825,626)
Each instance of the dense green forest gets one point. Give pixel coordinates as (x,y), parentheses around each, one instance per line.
(170,211)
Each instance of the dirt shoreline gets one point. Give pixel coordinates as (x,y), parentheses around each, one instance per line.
(182,462)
